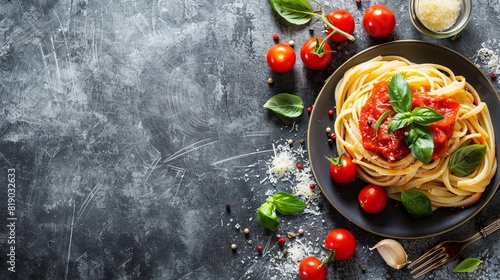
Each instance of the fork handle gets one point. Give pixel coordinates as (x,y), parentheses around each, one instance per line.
(487,230)
(491,228)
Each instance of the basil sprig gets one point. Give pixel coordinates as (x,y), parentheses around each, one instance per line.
(467,265)
(286,104)
(418,136)
(466,159)
(416,203)
(281,202)
(300,12)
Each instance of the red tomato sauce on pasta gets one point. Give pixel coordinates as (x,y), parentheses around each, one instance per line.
(393,146)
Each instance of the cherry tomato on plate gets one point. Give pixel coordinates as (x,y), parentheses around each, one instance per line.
(344,21)
(313,57)
(379,21)
(342,242)
(310,269)
(281,58)
(342,169)
(372,198)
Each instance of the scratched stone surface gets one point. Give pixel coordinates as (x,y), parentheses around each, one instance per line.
(132,124)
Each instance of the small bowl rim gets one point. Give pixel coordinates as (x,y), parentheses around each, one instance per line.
(462,21)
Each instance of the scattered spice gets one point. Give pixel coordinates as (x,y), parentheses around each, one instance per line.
(228,208)
(246,231)
(285,251)
(328,130)
(302,141)
(493,76)
(259,248)
(270,80)
(237,226)
(291,235)
(301,231)
(330,113)
(234,247)
(276,37)
(299,166)
(312,186)
(309,110)
(249,242)
(291,43)
(332,136)
(363,268)
(290,141)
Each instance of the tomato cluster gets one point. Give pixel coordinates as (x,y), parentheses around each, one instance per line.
(316,53)
(341,246)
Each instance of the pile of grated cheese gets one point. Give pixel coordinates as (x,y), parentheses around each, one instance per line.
(283,167)
(438,15)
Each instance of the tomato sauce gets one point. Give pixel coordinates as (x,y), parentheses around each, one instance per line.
(393,146)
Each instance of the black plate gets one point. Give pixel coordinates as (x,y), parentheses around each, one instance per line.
(394,221)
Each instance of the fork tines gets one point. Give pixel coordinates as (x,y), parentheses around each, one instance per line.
(434,258)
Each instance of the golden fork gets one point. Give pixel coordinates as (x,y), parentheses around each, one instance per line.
(447,251)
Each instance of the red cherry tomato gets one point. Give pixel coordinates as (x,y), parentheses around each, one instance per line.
(344,21)
(312,60)
(343,242)
(342,170)
(308,269)
(372,199)
(281,58)
(379,21)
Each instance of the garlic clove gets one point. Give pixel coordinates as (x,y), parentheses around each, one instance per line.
(392,252)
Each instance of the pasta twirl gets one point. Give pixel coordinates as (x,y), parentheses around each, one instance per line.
(473,125)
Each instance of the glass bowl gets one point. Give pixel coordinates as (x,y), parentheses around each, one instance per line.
(463,18)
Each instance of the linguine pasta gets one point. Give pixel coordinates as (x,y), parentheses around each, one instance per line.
(473,125)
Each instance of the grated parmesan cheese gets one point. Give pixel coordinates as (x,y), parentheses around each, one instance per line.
(438,15)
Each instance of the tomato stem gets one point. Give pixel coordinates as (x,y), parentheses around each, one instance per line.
(329,258)
(337,161)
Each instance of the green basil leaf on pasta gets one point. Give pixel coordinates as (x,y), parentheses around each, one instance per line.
(381,120)
(266,215)
(425,115)
(287,204)
(420,142)
(400,120)
(466,159)
(296,12)
(467,265)
(286,104)
(416,203)
(400,94)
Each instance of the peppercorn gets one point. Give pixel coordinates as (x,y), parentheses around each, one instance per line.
(328,130)
(246,231)
(493,76)
(276,37)
(332,136)
(291,43)
(330,113)
(301,231)
(299,166)
(312,186)
(270,80)
(302,141)
(259,248)
(233,246)
(282,240)
(290,141)
(309,110)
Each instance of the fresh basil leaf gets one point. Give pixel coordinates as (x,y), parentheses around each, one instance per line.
(286,104)
(466,159)
(399,120)
(266,215)
(296,12)
(420,142)
(400,94)
(287,204)
(416,203)
(425,115)
(467,265)
(381,120)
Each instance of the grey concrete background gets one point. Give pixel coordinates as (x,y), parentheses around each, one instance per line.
(132,124)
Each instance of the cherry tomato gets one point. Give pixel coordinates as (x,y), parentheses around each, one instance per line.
(379,21)
(372,199)
(281,58)
(312,60)
(342,169)
(344,21)
(308,269)
(343,242)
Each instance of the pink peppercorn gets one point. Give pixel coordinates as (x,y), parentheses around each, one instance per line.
(330,113)
(281,240)
(299,166)
(276,37)
(493,75)
(259,248)
(312,186)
